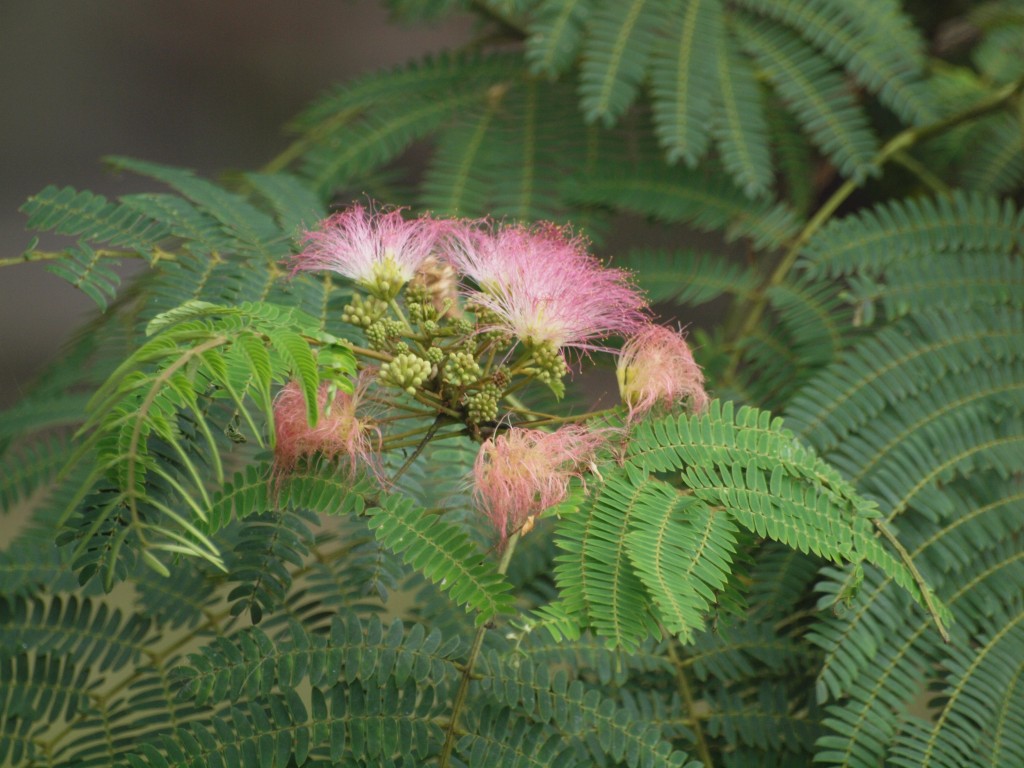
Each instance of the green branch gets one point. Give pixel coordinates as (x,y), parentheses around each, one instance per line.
(29,257)
(926,592)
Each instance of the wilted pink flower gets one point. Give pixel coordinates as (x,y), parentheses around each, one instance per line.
(379,250)
(522,472)
(339,432)
(544,287)
(656,366)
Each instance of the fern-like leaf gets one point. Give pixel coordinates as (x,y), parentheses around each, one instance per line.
(682,551)
(619,40)
(443,553)
(997,162)
(579,712)
(556,30)
(674,195)
(80,628)
(771,485)
(889,64)
(92,218)
(295,205)
(88,271)
(361,128)
(684,78)
(596,579)
(690,278)
(818,97)
(239,217)
(739,127)
(872,240)
(252,664)
(898,363)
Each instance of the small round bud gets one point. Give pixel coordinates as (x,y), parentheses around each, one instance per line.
(482,406)
(549,367)
(406,371)
(462,369)
(417,293)
(381,333)
(363,312)
(460,326)
(386,279)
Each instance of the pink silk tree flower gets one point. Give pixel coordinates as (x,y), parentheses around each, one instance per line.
(339,434)
(657,366)
(545,288)
(522,472)
(379,250)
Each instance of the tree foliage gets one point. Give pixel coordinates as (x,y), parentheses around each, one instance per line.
(823,567)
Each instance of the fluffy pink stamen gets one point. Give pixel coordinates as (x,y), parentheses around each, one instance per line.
(544,285)
(358,241)
(522,472)
(339,435)
(657,366)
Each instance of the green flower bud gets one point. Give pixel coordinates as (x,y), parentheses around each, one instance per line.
(406,371)
(483,405)
(549,368)
(381,333)
(460,326)
(363,312)
(386,279)
(462,369)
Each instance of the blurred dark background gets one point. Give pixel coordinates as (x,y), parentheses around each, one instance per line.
(203,84)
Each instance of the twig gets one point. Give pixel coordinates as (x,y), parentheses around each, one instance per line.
(467,670)
(683,682)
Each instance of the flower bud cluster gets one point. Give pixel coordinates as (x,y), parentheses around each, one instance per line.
(483,405)
(405,371)
(462,369)
(363,311)
(383,333)
(549,367)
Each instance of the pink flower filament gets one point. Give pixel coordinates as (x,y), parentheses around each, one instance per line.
(522,472)
(544,286)
(657,366)
(379,250)
(339,433)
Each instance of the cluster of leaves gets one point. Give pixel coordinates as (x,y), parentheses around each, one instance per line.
(734,589)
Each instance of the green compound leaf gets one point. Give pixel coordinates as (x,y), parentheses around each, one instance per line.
(444,554)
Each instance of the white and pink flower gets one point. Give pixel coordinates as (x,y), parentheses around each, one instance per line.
(657,366)
(544,287)
(522,472)
(340,433)
(380,250)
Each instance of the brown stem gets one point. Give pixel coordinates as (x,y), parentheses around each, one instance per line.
(683,683)
(467,670)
